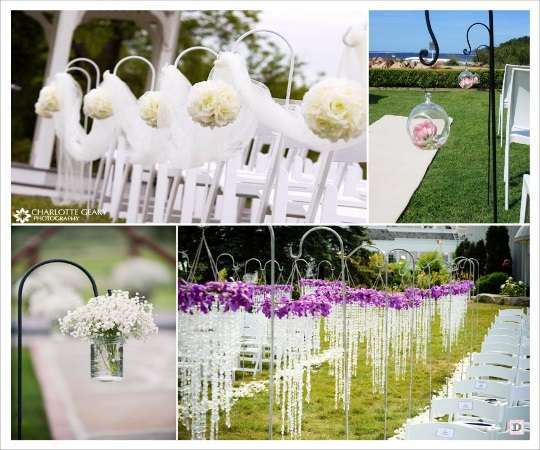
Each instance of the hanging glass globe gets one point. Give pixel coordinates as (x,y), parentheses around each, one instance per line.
(428,125)
(467,79)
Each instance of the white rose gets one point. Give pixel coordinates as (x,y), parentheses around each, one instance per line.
(149,104)
(213,103)
(40,110)
(97,104)
(48,102)
(335,109)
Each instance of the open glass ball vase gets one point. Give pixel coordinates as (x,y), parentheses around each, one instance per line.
(107,359)
(467,79)
(428,125)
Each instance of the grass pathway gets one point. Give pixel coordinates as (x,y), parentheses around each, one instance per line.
(321,421)
(454,188)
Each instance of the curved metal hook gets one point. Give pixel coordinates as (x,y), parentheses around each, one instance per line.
(469,51)
(252,259)
(292,58)
(88,87)
(327,262)
(140,58)
(86,75)
(235,267)
(89,61)
(192,49)
(424,52)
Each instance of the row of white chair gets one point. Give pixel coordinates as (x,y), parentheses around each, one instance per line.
(515,100)
(493,398)
(254,186)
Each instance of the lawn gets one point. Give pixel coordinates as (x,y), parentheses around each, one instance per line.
(454,188)
(35,425)
(321,421)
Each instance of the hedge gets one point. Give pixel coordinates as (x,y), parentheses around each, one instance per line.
(491,283)
(427,78)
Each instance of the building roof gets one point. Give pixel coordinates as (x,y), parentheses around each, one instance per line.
(385,234)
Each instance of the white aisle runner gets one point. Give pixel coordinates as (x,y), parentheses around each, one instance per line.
(396,168)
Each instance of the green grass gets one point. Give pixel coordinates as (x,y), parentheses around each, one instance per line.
(321,421)
(34,425)
(30,202)
(454,188)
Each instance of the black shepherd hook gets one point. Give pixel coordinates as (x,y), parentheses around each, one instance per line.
(424,52)
(468,51)
(19,326)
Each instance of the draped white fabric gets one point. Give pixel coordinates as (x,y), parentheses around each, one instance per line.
(75,141)
(268,112)
(146,145)
(188,143)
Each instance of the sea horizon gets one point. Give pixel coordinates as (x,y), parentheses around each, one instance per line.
(404,55)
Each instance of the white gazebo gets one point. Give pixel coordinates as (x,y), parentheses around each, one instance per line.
(59,28)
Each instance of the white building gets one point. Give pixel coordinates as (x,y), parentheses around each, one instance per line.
(416,239)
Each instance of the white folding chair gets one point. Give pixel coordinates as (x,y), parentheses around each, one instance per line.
(517,120)
(513,375)
(500,359)
(446,431)
(504,97)
(491,389)
(524,196)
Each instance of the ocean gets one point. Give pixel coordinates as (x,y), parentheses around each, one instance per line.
(404,55)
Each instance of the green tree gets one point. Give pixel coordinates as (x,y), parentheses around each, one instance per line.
(514,51)
(245,242)
(498,257)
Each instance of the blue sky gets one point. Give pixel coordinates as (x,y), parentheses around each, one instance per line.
(405,31)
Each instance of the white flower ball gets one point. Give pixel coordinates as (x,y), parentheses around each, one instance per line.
(48,102)
(213,103)
(335,109)
(97,104)
(149,104)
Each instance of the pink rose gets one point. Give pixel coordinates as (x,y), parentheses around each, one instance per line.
(424,134)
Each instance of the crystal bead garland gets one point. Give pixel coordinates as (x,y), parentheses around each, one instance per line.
(208,349)
(452,310)
(296,341)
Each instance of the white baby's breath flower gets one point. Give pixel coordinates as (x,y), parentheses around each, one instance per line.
(149,105)
(213,103)
(48,101)
(334,109)
(117,314)
(97,104)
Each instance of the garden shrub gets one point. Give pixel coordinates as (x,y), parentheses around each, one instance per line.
(491,283)
(427,78)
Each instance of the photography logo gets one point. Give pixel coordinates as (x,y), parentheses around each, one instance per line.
(516,427)
(22,215)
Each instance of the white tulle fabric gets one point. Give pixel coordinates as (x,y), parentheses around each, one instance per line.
(79,144)
(352,61)
(189,144)
(146,145)
(268,112)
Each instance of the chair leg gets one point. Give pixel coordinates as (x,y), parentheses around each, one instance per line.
(506,171)
(524,195)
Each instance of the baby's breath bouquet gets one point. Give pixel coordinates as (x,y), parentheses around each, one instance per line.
(107,321)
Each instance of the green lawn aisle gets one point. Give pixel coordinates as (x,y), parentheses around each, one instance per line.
(321,421)
(35,425)
(454,188)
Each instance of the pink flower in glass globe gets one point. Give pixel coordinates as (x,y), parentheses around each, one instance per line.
(466,83)
(424,134)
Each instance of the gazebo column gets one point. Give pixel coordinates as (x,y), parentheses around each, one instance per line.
(59,50)
(164,44)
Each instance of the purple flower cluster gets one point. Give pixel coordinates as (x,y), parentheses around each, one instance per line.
(226,296)
(318,302)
